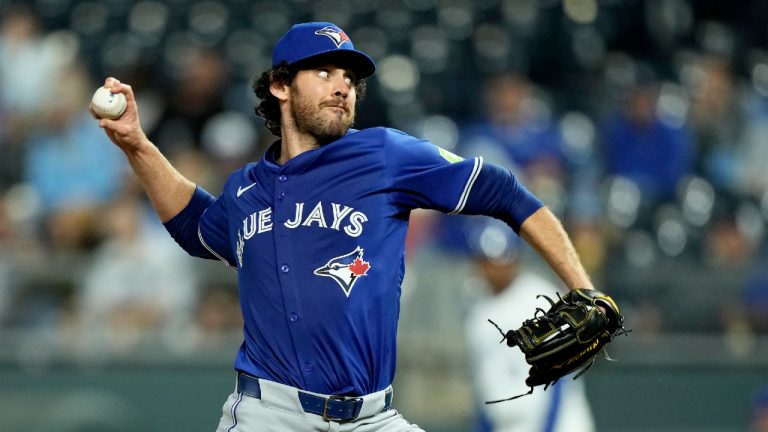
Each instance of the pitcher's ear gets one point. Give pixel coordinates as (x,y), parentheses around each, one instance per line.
(279,89)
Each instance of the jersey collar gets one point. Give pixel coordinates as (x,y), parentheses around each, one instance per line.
(301,162)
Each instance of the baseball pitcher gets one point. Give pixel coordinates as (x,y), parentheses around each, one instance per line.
(315,231)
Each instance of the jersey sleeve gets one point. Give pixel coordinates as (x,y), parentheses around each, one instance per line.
(427,176)
(183,227)
(497,193)
(201,227)
(423,175)
(213,232)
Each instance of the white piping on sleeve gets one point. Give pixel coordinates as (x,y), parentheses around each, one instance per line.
(468,186)
(200,236)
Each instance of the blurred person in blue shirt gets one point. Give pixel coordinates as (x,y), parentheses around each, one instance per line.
(642,144)
(71,165)
(516,131)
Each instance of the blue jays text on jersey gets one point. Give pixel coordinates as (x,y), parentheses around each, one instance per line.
(261,220)
(319,242)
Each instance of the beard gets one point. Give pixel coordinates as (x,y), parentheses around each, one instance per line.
(310,118)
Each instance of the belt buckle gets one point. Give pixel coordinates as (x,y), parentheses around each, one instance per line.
(326,405)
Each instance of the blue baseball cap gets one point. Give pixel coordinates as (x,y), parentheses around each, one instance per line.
(308,42)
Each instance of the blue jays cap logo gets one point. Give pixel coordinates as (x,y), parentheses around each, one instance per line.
(346,269)
(336,34)
(307,42)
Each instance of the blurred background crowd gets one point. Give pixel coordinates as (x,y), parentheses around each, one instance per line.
(642,124)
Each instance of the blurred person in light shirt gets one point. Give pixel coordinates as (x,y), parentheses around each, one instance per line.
(507,295)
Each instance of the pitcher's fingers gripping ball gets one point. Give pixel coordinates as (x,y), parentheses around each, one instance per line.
(567,337)
(108,105)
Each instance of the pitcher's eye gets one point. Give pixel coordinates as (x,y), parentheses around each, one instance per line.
(323,73)
(350,78)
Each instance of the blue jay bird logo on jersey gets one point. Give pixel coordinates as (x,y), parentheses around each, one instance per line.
(346,269)
(335,34)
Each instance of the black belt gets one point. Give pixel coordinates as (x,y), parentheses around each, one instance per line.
(333,408)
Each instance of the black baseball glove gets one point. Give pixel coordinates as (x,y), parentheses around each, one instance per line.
(567,337)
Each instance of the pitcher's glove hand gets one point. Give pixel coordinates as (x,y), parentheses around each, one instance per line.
(567,337)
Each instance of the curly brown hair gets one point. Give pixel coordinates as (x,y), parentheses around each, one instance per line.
(269,108)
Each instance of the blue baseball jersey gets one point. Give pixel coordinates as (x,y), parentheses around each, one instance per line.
(318,244)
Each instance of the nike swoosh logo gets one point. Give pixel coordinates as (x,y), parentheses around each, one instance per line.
(241,190)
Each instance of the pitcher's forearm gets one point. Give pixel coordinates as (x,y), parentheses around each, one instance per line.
(167,189)
(546,234)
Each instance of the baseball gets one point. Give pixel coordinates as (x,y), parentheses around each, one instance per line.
(107,104)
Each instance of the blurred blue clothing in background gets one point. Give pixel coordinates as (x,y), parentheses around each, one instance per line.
(74,166)
(521,145)
(654,155)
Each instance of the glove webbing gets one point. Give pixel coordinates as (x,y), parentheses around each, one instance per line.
(503,338)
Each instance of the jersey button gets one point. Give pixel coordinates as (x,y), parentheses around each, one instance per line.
(308,367)
(294,317)
(281,195)
(282,178)
(284,268)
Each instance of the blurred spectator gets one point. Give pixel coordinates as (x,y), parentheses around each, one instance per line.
(517,133)
(29,61)
(507,296)
(139,289)
(726,245)
(716,120)
(642,145)
(196,94)
(753,177)
(20,45)
(193,127)
(71,164)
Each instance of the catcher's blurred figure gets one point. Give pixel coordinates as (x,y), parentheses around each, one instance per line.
(316,232)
